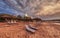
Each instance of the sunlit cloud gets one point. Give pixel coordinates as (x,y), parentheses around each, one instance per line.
(49,9)
(34,8)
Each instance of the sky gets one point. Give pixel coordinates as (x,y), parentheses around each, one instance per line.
(44,9)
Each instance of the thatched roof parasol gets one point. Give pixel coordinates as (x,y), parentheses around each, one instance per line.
(8,16)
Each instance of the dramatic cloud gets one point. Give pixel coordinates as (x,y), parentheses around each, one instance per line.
(35,8)
(49,9)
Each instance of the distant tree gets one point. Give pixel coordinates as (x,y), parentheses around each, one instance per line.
(27,17)
(37,19)
(2,19)
(19,17)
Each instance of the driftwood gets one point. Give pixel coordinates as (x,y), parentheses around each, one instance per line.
(30,29)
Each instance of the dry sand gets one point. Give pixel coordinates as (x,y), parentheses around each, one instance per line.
(45,30)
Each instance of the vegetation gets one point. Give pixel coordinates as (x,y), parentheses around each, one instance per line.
(19,17)
(25,18)
(2,20)
(37,19)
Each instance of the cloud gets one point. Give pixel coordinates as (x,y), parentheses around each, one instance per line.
(35,8)
(49,9)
